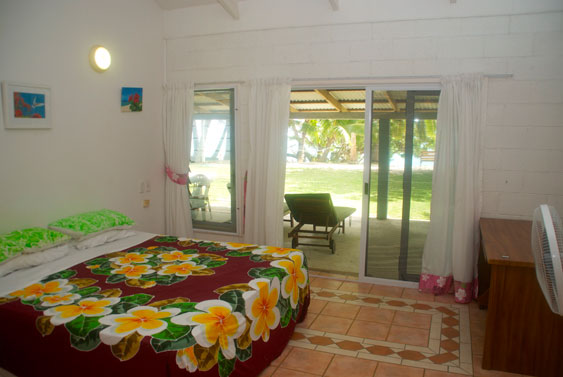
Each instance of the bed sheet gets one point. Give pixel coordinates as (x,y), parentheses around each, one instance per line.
(18,279)
(163,307)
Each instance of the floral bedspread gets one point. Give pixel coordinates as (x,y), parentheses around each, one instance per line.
(165,307)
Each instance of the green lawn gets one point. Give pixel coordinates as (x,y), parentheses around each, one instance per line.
(345,188)
(343,182)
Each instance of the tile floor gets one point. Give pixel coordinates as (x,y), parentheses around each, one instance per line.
(364,330)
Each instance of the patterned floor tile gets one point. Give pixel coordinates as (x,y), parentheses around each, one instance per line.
(308,361)
(390,330)
(350,367)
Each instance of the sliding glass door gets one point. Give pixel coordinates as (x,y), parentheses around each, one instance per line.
(398,167)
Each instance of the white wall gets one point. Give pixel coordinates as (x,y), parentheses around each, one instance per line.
(94,156)
(523,139)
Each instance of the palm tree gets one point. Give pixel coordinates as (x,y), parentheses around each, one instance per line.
(355,130)
(300,130)
(336,140)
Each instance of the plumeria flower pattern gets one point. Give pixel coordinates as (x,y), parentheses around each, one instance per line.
(184,269)
(261,307)
(296,278)
(61,299)
(237,245)
(441,281)
(278,252)
(88,307)
(130,258)
(37,290)
(216,322)
(186,359)
(460,294)
(145,320)
(176,256)
(133,271)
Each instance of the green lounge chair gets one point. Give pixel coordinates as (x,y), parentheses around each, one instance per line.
(316,210)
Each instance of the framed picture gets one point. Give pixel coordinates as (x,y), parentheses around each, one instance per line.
(131,99)
(26,105)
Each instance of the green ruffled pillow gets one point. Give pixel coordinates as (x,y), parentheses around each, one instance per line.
(88,224)
(29,240)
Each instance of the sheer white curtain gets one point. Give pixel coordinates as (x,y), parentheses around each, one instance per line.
(177,106)
(451,248)
(268,118)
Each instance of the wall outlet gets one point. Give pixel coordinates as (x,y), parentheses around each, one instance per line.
(146,203)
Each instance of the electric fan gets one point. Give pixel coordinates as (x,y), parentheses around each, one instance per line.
(547,247)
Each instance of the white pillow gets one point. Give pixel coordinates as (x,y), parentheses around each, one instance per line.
(33,259)
(102,238)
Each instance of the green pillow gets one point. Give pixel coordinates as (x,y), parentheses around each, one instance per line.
(88,224)
(28,241)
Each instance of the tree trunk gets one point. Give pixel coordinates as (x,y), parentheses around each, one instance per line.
(301,153)
(353,148)
(199,148)
(326,150)
(220,143)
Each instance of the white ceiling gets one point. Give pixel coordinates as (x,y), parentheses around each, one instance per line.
(177,4)
(230,6)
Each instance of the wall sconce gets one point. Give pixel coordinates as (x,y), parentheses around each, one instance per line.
(100,58)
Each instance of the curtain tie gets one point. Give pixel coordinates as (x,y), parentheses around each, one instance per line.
(180,179)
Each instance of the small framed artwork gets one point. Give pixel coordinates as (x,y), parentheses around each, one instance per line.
(131,99)
(26,106)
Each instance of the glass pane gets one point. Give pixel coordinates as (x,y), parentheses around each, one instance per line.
(424,146)
(386,204)
(325,155)
(403,145)
(211,179)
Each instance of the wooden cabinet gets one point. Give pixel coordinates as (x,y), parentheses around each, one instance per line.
(522,335)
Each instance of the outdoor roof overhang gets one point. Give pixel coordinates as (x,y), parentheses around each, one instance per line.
(350,104)
(332,104)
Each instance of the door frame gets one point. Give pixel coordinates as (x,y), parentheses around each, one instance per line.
(366,189)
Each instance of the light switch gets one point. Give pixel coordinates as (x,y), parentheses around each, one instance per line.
(142,187)
(148,185)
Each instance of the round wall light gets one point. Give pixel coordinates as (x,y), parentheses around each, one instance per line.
(100,58)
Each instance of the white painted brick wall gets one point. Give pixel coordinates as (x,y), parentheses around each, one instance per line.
(523,135)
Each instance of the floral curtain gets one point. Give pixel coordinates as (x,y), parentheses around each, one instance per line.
(451,249)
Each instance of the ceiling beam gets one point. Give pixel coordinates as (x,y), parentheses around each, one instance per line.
(330,99)
(210,96)
(391,101)
(230,7)
(360,115)
(334,4)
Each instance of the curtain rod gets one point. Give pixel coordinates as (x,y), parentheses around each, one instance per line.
(492,75)
(359,79)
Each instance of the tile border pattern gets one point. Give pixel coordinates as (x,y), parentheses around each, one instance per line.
(449,344)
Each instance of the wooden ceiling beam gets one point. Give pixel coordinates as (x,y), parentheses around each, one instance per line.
(231,7)
(390,100)
(330,99)
(210,96)
(360,115)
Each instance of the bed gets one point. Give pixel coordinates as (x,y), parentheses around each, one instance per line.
(153,305)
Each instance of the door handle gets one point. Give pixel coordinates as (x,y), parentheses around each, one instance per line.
(366,188)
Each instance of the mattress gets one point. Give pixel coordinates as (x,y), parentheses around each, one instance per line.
(153,305)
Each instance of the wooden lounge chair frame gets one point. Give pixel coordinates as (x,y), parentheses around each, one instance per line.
(316,210)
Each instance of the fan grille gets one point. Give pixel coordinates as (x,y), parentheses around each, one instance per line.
(545,269)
